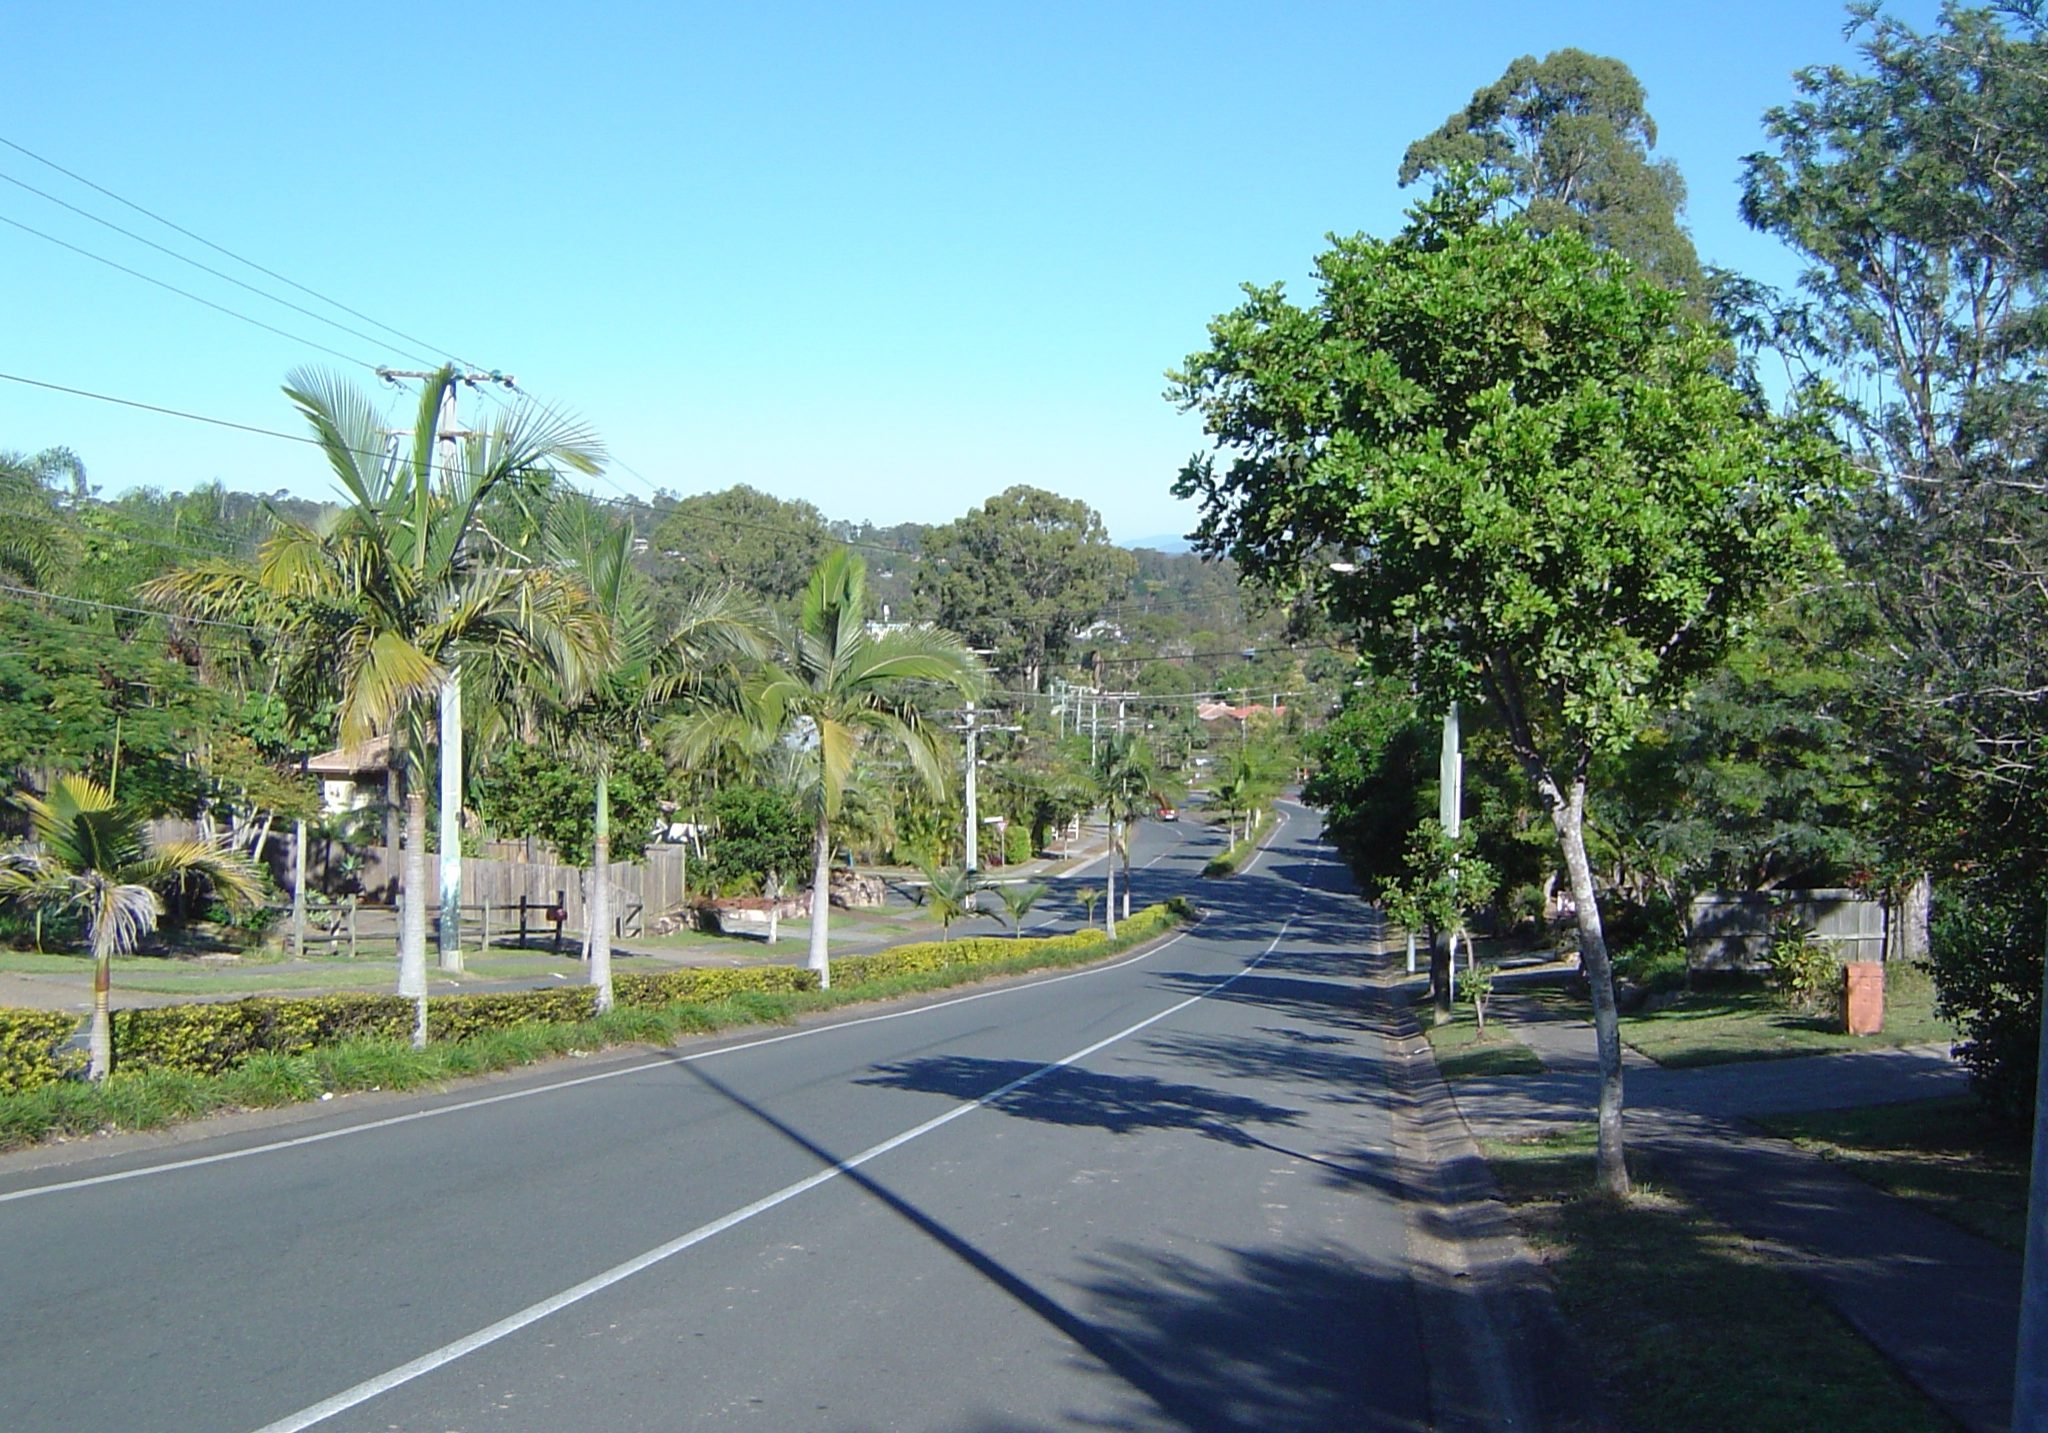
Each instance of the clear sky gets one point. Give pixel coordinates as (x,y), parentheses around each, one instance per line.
(889,258)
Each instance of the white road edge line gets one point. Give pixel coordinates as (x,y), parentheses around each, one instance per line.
(449,1352)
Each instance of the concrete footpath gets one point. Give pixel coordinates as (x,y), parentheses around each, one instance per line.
(1940,1302)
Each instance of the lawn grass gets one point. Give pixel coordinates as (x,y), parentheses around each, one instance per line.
(1948,1156)
(1692,1328)
(1463,1053)
(1737,1019)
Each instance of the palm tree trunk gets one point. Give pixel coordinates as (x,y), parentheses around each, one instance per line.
(101,1042)
(1127,872)
(1109,914)
(821,898)
(412,916)
(599,907)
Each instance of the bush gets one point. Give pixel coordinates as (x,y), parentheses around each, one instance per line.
(683,987)
(29,1055)
(1985,956)
(211,1038)
(1804,973)
(1016,843)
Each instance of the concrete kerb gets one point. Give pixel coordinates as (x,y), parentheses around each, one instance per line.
(1500,1354)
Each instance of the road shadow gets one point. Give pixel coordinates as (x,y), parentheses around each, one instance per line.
(1069,1095)
(1281,1341)
(1330,1064)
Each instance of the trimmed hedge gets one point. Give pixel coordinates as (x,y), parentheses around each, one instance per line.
(215,1038)
(29,1056)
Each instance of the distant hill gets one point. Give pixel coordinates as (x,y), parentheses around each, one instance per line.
(1165,542)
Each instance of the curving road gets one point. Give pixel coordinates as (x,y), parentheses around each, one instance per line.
(1157,1194)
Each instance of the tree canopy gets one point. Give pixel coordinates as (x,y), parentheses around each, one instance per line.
(1539,484)
(1021,575)
(1571,135)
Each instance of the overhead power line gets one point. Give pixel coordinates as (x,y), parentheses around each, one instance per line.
(207,268)
(229,253)
(185,293)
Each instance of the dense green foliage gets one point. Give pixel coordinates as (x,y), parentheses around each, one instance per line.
(1570,134)
(757,833)
(530,791)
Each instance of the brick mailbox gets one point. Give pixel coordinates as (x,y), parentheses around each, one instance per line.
(1863,997)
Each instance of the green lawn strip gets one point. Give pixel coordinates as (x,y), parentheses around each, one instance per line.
(1231,860)
(1691,1327)
(150,1099)
(1736,1020)
(1947,1155)
(1463,1053)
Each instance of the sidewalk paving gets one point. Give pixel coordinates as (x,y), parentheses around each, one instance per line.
(1940,1302)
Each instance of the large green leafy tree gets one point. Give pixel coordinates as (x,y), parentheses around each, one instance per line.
(1914,187)
(1021,575)
(739,537)
(381,602)
(1571,135)
(1547,494)
(93,858)
(832,687)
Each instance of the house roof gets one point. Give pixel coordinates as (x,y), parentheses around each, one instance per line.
(358,760)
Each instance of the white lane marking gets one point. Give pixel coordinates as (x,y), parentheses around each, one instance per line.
(657,1063)
(449,1352)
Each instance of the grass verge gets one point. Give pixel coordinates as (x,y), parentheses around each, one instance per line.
(151,1099)
(1232,860)
(1694,1329)
(1729,1022)
(1463,1053)
(1946,1155)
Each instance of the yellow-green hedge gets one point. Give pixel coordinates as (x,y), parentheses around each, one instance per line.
(930,955)
(29,1055)
(210,1038)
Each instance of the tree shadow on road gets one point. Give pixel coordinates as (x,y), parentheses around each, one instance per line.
(1069,1095)
(1285,1341)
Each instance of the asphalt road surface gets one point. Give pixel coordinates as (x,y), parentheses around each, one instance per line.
(1157,1194)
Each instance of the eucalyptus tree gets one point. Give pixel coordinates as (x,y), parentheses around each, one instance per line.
(832,686)
(1571,135)
(94,859)
(1540,486)
(386,598)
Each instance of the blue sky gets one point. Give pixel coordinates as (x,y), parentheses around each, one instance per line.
(888,258)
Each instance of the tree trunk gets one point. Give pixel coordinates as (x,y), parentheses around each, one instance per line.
(599,907)
(1913,912)
(100,1062)
(414,897)
(1440,973)
(1127,872)
(1568,816)
(1109,913)
(821,899)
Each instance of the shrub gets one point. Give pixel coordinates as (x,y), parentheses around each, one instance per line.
(680,987)
(29,1054)
(1227,864)
(1804,973)
(1985,955)
(210,1038)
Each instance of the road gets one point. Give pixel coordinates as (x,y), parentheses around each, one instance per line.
(1157,1194)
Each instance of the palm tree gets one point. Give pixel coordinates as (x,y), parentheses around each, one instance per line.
(1123,784)
(94,859)
(400,593)
(647,677)
(1017,903)
(834,686)
(949,892)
